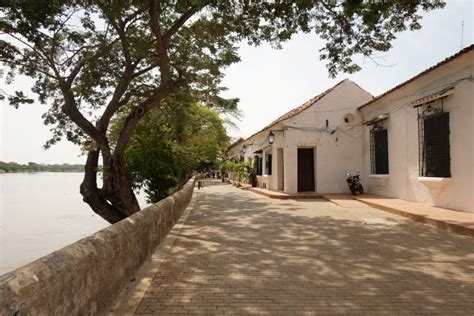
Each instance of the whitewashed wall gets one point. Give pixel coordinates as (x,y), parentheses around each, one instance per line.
(335,154)
(403,179)
(260,141)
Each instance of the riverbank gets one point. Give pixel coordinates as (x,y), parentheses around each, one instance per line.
(13,167)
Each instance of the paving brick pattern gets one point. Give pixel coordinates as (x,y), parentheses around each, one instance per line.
(241,253)
(460,222)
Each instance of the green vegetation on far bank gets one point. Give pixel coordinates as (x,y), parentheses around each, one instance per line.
(11,167)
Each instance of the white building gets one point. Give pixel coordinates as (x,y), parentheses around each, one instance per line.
(419,137)
(235,151)
(413,142)
(313,145)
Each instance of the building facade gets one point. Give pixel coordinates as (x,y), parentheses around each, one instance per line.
(419,137)
(312,147)
(234,152)
(413,142)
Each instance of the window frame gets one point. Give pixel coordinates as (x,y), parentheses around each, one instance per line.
(377,160)
(434,110)
(258,165)
(268,163)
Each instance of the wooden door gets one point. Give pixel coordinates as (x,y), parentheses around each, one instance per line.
(306,170)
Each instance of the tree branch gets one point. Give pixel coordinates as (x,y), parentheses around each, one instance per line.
(183,19)
(133,118)
(119,27)
(75,71)
(124,81)
(161,47)
(71,110)
(144,71)
(16,62)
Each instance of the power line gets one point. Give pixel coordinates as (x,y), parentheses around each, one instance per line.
(338,128)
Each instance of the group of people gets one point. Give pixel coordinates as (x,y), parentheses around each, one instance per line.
(213,174)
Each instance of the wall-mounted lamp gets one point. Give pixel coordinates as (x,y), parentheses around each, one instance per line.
(271,137)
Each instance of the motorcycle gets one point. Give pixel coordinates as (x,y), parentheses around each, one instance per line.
(354,184)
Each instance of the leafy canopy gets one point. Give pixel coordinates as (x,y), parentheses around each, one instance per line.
(172,142)
(95,60)
(103,35)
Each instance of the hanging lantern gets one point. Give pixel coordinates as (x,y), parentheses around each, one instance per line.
(271,137)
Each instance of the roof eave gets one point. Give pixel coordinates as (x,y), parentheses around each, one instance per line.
(420,75)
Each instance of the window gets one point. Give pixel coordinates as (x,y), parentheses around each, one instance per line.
(434,150)
(258,165)
(378,149)
(268,164)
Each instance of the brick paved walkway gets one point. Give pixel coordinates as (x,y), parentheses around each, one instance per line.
(241,253)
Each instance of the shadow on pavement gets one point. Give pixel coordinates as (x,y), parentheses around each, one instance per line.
(242,253)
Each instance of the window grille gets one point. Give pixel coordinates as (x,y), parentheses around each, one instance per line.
(378,149)
(433,140)
(268,164)
(258,165)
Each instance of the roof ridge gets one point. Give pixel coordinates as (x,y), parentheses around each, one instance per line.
(307,104)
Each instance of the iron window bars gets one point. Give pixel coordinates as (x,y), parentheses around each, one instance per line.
(433,141)
(378,149)
(268,164)
(258,165)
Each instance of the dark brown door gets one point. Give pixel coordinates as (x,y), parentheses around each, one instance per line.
(305,169)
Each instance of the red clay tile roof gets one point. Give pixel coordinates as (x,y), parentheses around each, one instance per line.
(424,72)
(298,109)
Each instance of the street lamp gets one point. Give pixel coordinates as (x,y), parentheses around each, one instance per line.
(271,137)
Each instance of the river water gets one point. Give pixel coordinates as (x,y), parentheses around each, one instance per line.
(40,213)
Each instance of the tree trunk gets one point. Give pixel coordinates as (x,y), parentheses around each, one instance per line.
(92,195)
(116,200)
(183,178)
(123,187)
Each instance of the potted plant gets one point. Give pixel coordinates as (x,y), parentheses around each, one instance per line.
(253,179)
(252,174)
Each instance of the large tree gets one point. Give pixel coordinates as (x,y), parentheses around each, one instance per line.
(94,59)
(172,142)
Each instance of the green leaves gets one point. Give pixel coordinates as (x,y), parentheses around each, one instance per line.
(19,98)
(7,50)
(354,28)
(171,143)
(98,44)
(95,62)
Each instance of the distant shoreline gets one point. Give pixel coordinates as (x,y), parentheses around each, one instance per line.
(13,167)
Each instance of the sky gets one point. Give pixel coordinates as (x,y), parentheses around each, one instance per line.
(269,82)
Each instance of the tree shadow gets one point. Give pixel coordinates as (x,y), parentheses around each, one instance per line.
(242,253)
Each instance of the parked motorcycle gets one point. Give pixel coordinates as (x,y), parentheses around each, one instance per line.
(354,184)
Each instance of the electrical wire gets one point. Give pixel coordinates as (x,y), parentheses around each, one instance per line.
(338,128)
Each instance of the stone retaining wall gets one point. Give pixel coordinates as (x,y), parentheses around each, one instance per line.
(85,277)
